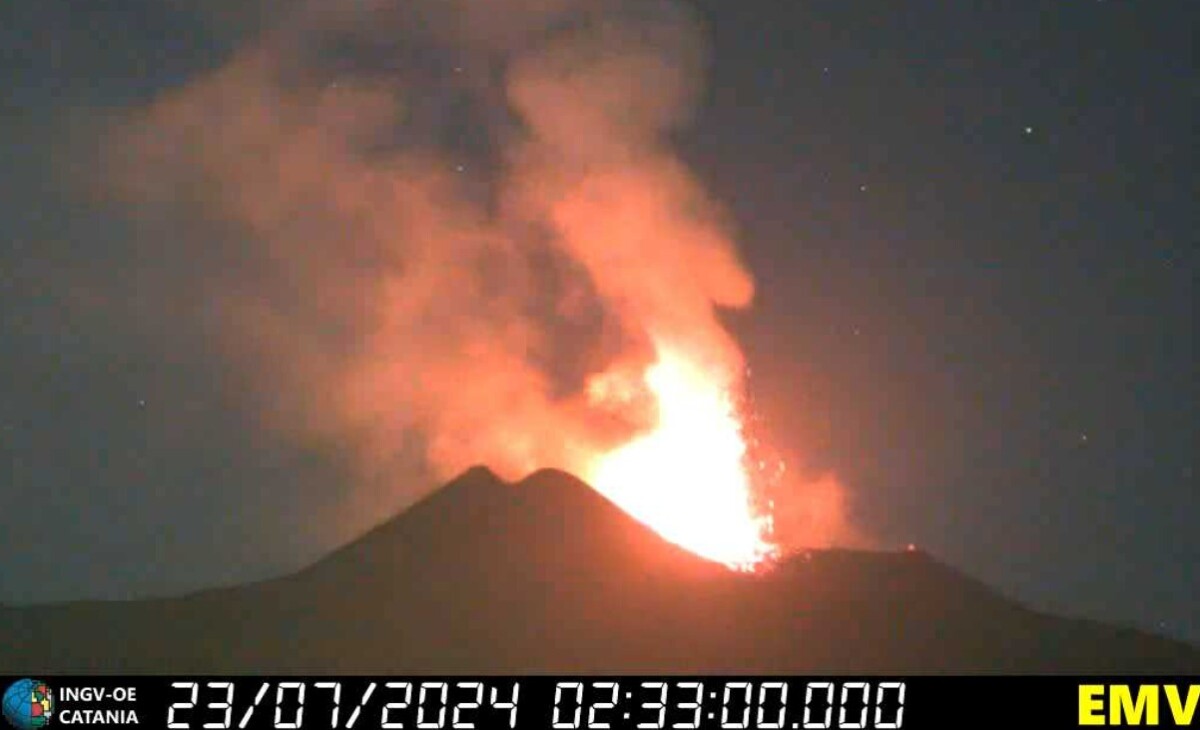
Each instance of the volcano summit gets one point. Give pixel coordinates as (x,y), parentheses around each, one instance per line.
(547,575)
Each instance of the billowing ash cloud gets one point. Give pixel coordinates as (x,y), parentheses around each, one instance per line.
(440,228)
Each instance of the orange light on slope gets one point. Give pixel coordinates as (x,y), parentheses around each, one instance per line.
(687,478)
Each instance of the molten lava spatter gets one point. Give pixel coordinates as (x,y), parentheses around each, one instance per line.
(687,478)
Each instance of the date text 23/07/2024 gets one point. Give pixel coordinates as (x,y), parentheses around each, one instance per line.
(561,704)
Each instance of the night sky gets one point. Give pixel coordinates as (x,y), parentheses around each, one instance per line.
(971,226)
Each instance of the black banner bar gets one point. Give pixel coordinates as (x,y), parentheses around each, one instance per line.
(599,702)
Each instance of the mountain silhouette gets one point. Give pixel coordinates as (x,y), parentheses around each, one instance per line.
(548,576)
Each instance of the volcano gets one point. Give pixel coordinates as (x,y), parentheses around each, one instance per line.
(546,575)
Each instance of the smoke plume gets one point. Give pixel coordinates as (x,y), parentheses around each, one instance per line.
(454,228)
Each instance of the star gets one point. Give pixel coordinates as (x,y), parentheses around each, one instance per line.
(1028,130)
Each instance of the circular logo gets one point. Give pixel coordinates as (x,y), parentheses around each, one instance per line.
(28,703)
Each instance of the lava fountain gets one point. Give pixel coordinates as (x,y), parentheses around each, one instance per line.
(688,477)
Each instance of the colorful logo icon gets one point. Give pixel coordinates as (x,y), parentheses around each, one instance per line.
(28,703)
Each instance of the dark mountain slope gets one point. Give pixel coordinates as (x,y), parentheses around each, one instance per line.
(547,576)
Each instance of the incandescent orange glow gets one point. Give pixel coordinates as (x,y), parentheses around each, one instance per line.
(687,478)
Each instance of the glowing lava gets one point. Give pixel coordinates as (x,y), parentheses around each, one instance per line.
(687,478)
